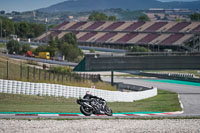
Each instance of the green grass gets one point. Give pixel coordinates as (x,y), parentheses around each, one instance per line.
(165,101)
(2,45)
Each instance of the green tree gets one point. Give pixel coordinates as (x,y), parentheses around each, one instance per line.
(96,16)
(25,48)
(112,18)
(70,51)
(195,17)
(7,26)
(41,48)
(92,50)
(70,38)
(13,47)
(69,47)
(143,18)
(21,29)
(138,49)
(37,29)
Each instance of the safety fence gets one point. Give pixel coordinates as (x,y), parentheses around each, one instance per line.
(14,71)
(43,89)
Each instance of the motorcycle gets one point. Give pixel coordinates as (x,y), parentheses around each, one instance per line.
(94,106)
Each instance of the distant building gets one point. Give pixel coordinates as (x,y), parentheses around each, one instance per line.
(71,17)
(2,12)
(158,35)
(34,14)
(168,14)
(15,13)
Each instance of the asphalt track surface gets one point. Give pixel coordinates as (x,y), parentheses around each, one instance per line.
(189,92)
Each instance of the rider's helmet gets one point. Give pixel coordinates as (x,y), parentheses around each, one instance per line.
(88,93)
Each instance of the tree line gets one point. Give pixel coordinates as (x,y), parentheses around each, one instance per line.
(195,17)
(21,29)
(67,46)
(98,16)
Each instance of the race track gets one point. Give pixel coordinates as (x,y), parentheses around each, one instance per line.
(189,94)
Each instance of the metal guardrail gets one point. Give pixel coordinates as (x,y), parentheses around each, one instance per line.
(146,54)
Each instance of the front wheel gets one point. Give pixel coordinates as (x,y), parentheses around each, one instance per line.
(108,111)
(85,110)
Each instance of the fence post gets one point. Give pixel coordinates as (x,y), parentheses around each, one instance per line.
(112,78)
(54,75)
(66,78)
(21,71)
(2,72)
(62,77)
(39,73)
(49,75)
(58,76)
(28,73)
(7,70)
(83,77)
(45,74)
(70,78)
(34,73)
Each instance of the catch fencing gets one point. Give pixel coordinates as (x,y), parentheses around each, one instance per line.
(11,70)
(43,89)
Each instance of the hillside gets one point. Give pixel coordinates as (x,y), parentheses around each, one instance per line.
(89,5)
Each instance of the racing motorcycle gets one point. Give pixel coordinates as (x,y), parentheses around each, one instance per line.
(94,106)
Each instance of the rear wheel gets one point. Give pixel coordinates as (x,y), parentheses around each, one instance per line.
(108,111)
(85,110)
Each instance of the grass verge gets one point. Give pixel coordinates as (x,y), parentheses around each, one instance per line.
(164,102)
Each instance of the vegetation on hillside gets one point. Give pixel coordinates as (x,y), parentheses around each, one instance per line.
(55,18)
(143,18)
(98,16)
(195,17)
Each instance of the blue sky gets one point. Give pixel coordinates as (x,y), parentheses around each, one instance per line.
(27,5)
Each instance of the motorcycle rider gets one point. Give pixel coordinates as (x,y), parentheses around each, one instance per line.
(89,98)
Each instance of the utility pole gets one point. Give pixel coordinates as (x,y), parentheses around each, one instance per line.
(46,22)
(5,35)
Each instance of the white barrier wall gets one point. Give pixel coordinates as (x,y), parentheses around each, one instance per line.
(43,89)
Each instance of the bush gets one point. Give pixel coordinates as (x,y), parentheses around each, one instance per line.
(138,49)
(13,47)
(143,18)
(92,51)
(61,69)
